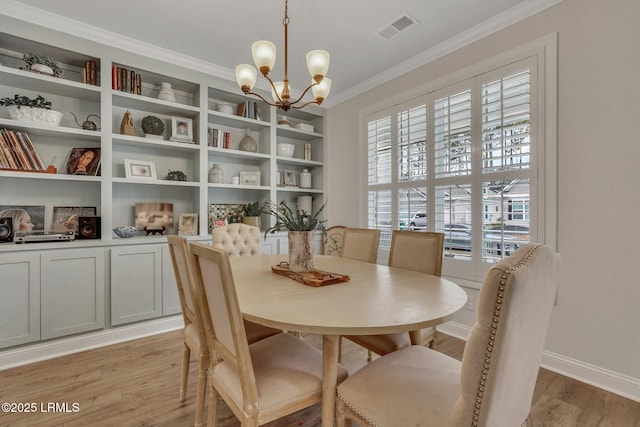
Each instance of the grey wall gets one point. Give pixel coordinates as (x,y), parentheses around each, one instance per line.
(596,319)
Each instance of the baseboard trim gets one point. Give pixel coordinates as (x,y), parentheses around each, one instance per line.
(63,346)
(611,381)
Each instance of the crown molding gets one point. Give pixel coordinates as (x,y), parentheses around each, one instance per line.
(46,19)
(473,34)
(43,18)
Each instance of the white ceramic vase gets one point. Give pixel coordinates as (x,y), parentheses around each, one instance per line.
(216,174)
(50,117)
(41,68)
(166,93)
(248,143)
(301,251)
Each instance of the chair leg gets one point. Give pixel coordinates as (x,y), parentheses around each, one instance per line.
(184,374)
(369,356)
(340,349)
(434,338)
(212,419)
(201,390)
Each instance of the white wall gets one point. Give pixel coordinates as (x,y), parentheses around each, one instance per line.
(595,323)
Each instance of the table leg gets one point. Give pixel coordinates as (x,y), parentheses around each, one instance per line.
(329,378)
(415,337)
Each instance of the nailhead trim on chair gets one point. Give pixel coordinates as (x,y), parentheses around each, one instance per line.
(492,337)
(358,412)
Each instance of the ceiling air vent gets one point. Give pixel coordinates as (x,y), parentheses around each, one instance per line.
(400,24)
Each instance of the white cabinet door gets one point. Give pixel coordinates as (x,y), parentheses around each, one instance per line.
(136,283)
(19,298)
(170,297)
(72,291)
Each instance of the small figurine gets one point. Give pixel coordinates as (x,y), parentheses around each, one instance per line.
(87,124)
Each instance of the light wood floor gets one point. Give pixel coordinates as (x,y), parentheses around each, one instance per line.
(136,384)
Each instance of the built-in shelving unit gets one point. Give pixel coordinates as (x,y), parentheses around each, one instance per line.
(199,98)
(57,289)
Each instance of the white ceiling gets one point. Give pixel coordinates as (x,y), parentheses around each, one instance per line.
(221,31)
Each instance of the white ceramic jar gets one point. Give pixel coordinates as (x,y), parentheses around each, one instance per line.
(216,174)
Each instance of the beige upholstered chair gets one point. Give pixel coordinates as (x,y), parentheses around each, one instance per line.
(193,334)
(493,386)
(333,240)
(360,244)
(238,239)
(260,382)
(416,251)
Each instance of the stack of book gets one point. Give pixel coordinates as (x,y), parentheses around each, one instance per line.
(90,73)
(248,109)
(218,138)
(125,80)
(18,153)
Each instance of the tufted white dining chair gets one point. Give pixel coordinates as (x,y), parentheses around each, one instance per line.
(261,382)
(193,332)
(238,239)
(493,385)
(415,251)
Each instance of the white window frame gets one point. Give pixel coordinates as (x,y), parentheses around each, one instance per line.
(543,188)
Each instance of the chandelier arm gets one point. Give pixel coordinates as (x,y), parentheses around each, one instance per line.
(304,93)
(262,98)
(274,91)
(295,107)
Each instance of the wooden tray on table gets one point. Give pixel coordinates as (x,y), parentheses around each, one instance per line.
(311,278)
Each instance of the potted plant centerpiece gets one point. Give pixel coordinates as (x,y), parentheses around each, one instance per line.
(42,64)
(300,226)
(252,213)
(35,110)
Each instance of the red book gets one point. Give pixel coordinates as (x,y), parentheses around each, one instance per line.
(114,77)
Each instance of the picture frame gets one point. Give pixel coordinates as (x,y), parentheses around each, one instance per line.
(65,218)
(139,169)
(250,178)
(24,218)
(290,178)
(181,129)
(188,224)
(154,216)
(221,214)
(83,161)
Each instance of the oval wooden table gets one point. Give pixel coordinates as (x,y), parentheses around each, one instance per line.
(376,300)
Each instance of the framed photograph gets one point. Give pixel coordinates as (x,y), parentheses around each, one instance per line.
(181,129)
(221,214)
(24,218)
(250,178)
(65,218)
(188,224)
(83,161)
(139,169)
(154,216)
(290,179)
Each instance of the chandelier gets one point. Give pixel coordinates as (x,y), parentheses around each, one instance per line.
(264,56)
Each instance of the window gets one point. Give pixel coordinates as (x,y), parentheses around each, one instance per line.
(461,160)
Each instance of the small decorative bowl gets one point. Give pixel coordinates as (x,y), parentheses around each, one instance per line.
(125,232)
(285,149)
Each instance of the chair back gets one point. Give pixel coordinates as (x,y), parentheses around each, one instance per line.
(417,251)
(502,355)
(238,239)
(183,270)
(333,240)
(361,244)
(222,319)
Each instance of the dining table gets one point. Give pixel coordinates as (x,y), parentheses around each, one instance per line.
(376,299)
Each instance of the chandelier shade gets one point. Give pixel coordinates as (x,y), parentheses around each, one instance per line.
(264,56)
